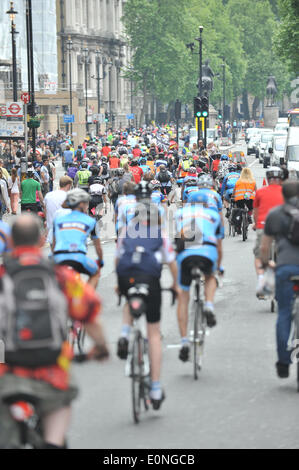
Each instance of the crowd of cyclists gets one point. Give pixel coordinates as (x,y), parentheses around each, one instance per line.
(142,174)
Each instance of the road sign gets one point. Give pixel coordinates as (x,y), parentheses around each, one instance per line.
(3,110)
(130,116)
(25,97)
(68,118)
(14,109)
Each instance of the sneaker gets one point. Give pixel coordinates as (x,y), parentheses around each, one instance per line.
(157,403)
(210,316)
(122,348)
(260,289)
(184,353)
(282,370)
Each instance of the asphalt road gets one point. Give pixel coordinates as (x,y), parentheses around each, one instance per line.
(238,402)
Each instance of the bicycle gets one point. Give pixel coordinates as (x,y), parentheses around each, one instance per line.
(273,258)
(199,323)
(138,364)
(244,223)
(294,335)
(232,227)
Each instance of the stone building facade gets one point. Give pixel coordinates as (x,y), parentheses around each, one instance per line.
(91,45)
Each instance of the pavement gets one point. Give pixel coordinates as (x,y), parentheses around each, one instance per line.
(238,401)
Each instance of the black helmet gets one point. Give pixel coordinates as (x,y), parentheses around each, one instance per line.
(84,165)
(143,190)
(231,167)
(94,170)
(274,172)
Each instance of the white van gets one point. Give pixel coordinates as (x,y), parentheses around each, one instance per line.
(292,149)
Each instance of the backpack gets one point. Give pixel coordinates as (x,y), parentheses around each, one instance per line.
(114,189)
(79,155)
(105,169)
(72,171)
(293,229)
(139,253)
(163,176)
(33,314)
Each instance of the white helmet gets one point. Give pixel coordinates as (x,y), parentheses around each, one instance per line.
(75,197)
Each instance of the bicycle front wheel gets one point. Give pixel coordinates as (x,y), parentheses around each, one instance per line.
(137,369)
(199,337)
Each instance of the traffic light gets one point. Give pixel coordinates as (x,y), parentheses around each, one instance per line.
(219,114)
(197,107)
(106,117)
(177,110)
(205,106)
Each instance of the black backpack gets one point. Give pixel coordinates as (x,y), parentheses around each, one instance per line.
(163,176)
(33,314)
(79,155)
(293,229)
(105,169)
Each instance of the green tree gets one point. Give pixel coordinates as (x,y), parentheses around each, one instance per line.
(287,37)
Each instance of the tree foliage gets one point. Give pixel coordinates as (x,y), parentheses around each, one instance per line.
(241,31)
(287,37)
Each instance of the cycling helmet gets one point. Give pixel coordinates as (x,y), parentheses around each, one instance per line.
(120,172)
(274,172)
(143,190)
(192,170)
(205,181)
(94,170)
(231,167)
(224,157)
(190,181)
(84,165)
(97,180)
(239,167)
(85,160)
(75,197)
(30,172)
(134,162)
(104,159)
(155,184)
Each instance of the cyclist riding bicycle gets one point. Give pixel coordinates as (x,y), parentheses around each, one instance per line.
(70,236)
(157,197)
(139,261)
(82,177)
(244,191)
(228,186)
(189,187)
(199,243)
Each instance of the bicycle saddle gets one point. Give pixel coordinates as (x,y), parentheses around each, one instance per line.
(195,273)
(20,397)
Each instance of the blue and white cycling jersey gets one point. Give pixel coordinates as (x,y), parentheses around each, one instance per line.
(213,200)
(188,192)
(125,211)
(145,168)
(229,182)
(158,197)
(203,223)
(5,232)
(71,232)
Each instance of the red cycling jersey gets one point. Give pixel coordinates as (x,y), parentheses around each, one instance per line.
(265,199)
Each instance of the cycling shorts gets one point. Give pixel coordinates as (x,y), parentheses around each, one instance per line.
(245,202)
(78,261)
(153,301)
(205,258)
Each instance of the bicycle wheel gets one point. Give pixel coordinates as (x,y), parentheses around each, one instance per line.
(296,335)
(81,332)
(198,336)
(272,306)
(244,227)
(137,366)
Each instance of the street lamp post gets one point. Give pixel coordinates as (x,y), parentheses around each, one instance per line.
(57,112)
(223,77)
(12,14)
(85,54)
(200,61)
(30,61)
(110,100)
(69,45)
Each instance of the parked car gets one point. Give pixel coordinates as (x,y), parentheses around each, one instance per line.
(266,137)
(250,132)
(252,144)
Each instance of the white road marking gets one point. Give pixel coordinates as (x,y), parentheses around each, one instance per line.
(253,163)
